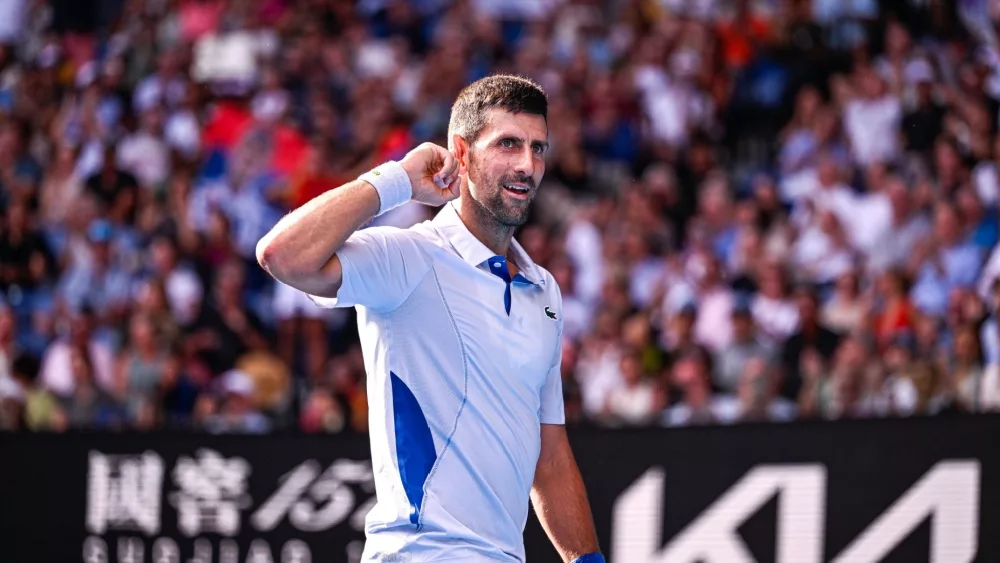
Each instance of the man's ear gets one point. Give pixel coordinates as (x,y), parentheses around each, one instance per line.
(460,150)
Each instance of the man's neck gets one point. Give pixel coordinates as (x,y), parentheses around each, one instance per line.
(496,237)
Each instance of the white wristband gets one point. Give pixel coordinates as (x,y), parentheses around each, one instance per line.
(392,184)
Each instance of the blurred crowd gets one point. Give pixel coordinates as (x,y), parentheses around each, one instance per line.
(756,209)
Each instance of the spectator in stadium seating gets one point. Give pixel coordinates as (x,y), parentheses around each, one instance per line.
(115,189)
(818,190)
(273,384)
(183,287)
(694,404)
(980,223)
(798,138)
(142,366)
(871,115)
(25,258)
(849,389)
(742,34)
(42,411)
(245,194)
(813,336)
(300,320)
(636,401)
(598,367)
(20,173)
(150,301)
(755,400)
(321,413)
(78,356)
(922,125)
(216,247)
(60,189)
(893,310)
(823,251)
(847,309)
(142,150)
(713,325)
(730,362)
(976,388)
(348,381)
(933,339)
(746,247)
(237,413)
(943,262)
(99,284)
(678,338)
(986,176)
(874,396)
(908,227)
(917,384)
(89,404)
(773,309)
(224,329)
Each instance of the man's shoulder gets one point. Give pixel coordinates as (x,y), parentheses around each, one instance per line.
(544,274)
(420,233)
(549,281)
(419,239)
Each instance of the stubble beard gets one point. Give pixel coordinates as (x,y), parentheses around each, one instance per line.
(491,205)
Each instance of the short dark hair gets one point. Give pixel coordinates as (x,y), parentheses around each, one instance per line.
(515,94)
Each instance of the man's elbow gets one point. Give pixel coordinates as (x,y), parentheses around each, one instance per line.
(273,259)
(265,255)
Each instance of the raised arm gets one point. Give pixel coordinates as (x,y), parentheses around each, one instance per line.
(301,250)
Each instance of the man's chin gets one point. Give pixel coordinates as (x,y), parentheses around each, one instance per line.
(515,221)
(515,215)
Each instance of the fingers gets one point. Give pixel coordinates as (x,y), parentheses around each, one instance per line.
(453,190)
(448,172)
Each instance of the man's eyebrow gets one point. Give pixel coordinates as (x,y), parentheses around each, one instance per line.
(521,141)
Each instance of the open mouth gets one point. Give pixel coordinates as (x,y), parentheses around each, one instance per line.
(518,189)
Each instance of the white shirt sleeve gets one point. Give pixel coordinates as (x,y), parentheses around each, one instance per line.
(381,267)
(551,409)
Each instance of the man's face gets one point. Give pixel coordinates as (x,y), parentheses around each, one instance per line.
(506,164)
(807,307)
(946,225)
(742,326)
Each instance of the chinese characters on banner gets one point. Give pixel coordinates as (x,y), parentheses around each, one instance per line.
(214,506)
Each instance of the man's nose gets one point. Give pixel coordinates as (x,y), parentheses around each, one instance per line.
(524,163)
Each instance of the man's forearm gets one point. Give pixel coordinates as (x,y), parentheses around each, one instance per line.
(560,501)
(305,240)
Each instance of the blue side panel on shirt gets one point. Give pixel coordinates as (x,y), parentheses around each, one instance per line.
(415,453)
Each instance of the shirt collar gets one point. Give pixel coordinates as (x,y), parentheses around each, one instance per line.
(474,252)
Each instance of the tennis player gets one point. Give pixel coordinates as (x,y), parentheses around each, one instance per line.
(461,336)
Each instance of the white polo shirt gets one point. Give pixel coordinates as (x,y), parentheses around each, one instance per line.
(457,387)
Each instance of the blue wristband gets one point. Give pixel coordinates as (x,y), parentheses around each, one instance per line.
(589,558)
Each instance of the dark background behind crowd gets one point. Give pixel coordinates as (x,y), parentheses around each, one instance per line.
(756,210)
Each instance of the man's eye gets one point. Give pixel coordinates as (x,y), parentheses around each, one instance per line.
(507,143)
(537,149)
